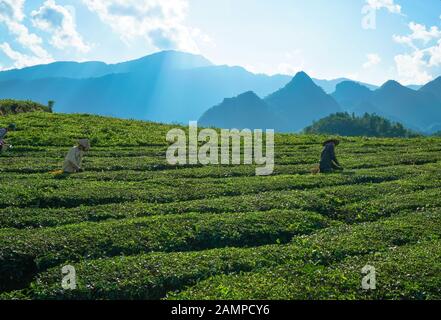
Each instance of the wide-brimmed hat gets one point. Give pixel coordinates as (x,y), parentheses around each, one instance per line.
(335,141)
(85,143)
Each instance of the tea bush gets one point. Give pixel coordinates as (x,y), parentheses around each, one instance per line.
(136,227)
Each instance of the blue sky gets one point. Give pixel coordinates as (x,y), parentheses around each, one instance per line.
(366,40)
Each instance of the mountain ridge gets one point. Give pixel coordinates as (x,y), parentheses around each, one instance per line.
(173,86)
(302,101)
(418,109)
(95,69)
(245,111)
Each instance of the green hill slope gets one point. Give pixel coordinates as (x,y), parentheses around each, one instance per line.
(135,227)
(9,106)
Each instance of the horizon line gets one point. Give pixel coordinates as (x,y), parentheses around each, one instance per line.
(82,61)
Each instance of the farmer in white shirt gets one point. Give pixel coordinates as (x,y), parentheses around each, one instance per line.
(74,158)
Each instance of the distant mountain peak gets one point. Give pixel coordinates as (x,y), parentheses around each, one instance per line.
(165,60)
(350,93)
(302,101)
(302,77)
(248,94)
(181,54)
(392,84)
(350,84)
(301,83)
(248,97)
(302,74)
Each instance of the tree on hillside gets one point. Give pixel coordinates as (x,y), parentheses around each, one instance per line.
(50,105)
(369,125)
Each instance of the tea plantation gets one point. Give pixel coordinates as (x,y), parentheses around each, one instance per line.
(135,227)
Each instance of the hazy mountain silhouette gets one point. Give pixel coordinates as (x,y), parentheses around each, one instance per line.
(414,86)
(168,86)
(289,109)
(365,106)
(413,108)
(73,70)
(433,87)
(246,111)
(351,95)
(172,86)
(331,85)
(420,110)
(170,60)
(301,102)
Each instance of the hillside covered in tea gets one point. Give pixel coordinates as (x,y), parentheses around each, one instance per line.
(135,227)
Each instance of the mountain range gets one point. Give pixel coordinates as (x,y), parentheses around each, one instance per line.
(172,86)
(283,110)
(417,109)
(302,101)
(168,86)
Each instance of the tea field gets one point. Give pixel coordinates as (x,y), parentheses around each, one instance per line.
(135,227)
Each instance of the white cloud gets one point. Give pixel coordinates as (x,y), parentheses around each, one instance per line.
(435,55)
(412,68)
(12,15)
(390,5)
(12,9)
(403,40)
(20,60)
(28,40)
(160,22)
(60,22)
(419,32)
(373,59)
(202,37)
(416,67)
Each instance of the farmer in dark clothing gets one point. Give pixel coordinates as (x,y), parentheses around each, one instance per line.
(3,133)
(328,161)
